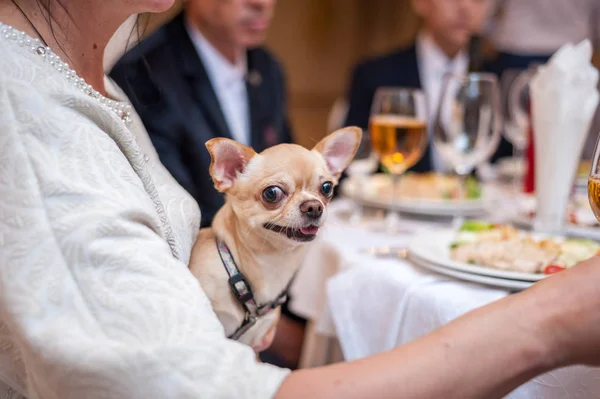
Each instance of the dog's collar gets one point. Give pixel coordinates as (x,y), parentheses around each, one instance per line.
(243,292)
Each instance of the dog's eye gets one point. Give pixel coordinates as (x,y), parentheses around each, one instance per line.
(272,194)
(327,188)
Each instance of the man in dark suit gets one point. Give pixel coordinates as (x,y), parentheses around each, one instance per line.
(203,75)
(441,46)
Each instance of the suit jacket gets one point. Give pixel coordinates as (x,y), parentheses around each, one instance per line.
(400,69)
(168,86)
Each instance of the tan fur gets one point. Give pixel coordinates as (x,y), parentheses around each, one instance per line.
(268,259)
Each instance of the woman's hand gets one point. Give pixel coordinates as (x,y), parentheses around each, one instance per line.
(571,302)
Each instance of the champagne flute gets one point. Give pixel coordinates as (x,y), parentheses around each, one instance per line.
(468,123)
(365,162)
(399,136)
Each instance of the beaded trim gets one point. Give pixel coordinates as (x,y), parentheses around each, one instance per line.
(122,109)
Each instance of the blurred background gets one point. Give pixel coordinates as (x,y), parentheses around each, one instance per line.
(318,42)
(329,37)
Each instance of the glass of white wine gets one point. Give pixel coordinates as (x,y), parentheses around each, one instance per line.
(468,122)
(399,136)
(594,182)
(365,162)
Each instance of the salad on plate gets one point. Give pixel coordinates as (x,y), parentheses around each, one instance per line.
(503,247)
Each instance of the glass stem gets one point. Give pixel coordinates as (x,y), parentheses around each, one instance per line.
(462,185)
(396,187)
(357,211)
(394,216)
(458,220)
(518,155)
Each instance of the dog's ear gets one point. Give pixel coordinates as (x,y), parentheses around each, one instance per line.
(228,159)
(339,148)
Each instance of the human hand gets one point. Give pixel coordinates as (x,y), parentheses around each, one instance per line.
(570,302)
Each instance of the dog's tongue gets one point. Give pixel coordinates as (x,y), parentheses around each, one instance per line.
(309,231)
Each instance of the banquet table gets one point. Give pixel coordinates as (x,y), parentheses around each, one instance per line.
(358,304)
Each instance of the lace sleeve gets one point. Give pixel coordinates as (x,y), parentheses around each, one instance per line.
(96,305)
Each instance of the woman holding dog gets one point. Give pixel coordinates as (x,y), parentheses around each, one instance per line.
(96,299)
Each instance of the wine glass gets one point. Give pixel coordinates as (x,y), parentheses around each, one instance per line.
(468,123)
(399,136)
(594,182)
(365,162)
(517,121)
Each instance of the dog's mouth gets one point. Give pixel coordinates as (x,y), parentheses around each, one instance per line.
(303,234)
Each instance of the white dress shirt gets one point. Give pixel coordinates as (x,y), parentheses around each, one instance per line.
(228,81)
(433,65)
(540,27)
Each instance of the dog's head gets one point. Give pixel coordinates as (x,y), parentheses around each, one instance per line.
(283,192)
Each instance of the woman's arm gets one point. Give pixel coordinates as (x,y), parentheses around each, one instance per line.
(484,354)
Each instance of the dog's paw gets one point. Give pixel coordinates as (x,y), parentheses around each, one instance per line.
(267,340)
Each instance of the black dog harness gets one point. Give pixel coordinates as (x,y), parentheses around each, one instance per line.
(243,293)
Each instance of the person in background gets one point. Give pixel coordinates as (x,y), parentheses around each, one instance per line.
(203,75)
(525,32)
(442,45)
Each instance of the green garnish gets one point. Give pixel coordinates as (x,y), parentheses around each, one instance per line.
(473,188)
(476,226)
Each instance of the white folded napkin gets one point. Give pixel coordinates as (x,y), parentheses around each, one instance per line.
(564,98)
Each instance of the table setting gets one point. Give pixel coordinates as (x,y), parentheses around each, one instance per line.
(403,253)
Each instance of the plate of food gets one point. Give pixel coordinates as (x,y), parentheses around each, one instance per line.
(581,221)
(419,193)
(500,252)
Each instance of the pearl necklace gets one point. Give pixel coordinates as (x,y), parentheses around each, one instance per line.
(122,109)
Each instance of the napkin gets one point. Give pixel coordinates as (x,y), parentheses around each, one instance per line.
(564,97)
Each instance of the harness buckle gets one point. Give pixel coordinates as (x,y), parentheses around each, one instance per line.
(240,295)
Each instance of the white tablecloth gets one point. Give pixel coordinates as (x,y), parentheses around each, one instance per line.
(371,304)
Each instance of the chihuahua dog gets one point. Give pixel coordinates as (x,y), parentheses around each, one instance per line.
(276,202)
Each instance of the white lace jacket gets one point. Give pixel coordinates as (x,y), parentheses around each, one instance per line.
(96,300)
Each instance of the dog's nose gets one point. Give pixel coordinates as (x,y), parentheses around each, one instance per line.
(312,208)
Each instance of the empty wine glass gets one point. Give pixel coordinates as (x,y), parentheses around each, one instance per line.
(364,164)
(468,122)
(399,136)
(517,121)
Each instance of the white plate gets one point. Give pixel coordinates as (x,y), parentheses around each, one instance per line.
(434,247)
(419,206)
(571,230)
(513,285)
